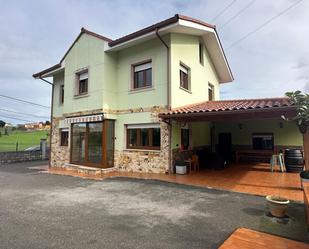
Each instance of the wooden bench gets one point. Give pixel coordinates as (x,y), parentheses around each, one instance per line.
(244,238)
(261,154)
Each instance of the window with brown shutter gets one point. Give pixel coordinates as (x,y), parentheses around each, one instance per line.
(61,94)
(210,92)
(184,77)
(64,137)
(82,82)
(201,53)
(142,75)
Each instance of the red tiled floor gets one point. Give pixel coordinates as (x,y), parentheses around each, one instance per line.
(253,179)
(244,238)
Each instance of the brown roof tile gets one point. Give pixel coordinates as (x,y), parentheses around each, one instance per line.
(232,105)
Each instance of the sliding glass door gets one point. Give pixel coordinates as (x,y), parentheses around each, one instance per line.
(95,143)
(92,144)
(78,152)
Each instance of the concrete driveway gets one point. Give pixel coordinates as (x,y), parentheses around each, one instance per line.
(39,210)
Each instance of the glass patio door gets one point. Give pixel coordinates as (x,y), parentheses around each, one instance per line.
(95,143)
(92,144)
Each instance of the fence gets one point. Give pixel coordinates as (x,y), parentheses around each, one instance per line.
(22,156)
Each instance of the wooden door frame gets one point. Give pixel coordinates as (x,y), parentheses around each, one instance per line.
(103,163)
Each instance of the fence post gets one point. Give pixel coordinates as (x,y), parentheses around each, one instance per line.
(43,148)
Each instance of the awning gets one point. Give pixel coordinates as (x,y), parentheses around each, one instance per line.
(227,110)
(84,119)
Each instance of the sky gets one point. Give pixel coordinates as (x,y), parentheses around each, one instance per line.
(35,34)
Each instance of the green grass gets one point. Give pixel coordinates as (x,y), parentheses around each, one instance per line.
(25,140)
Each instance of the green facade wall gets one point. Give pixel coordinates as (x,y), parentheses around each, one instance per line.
(199,134)
(155,96)
(288,135)
(58,80)
(88,52)
(185,49)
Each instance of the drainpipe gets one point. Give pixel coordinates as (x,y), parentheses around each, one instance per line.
(51,117)
(168,85)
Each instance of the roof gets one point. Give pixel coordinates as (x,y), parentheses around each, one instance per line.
(158,25)
(47,70)
(235,106)
(140,33)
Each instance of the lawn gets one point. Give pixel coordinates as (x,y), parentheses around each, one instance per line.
(25,140)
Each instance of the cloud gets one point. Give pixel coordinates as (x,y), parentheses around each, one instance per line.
(35,34)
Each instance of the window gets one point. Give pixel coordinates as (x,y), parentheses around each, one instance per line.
(143,137)
(64,137)
(61,94)
(185,138)
(142,75)
(184,77)
(92,143)
(210,92)
(263,141)
(201,53)
(82,80)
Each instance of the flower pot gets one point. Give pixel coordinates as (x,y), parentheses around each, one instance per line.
(181,169)
(277,205)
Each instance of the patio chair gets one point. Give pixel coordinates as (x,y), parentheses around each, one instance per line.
(193,162)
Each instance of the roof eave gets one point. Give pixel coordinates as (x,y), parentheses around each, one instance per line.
(46,72)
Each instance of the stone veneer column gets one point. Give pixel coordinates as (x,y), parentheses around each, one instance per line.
(60,155)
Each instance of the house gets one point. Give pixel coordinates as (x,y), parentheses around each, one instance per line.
(139,102)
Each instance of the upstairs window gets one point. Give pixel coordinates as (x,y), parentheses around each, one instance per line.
(263,141)
(201,53)
(146,137)
(82,80)
(64,137)
(184,77)
(142,75)
(211,92)
(61,94)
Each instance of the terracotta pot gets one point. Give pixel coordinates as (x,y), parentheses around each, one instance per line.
(277,205)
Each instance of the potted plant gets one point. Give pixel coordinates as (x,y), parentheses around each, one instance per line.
(277,205)
(301,102)
(304,176)
(181,167)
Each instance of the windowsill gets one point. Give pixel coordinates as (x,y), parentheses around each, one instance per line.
(142,150)
(141,89)
(82,95)
(186,90)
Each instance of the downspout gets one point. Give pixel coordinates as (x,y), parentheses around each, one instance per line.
(51,118)
(168,86)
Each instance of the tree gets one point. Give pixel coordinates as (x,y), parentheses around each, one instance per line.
(2,124)
(301,102)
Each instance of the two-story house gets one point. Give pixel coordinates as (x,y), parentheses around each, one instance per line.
(136,102)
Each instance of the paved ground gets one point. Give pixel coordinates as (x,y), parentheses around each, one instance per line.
(39,210)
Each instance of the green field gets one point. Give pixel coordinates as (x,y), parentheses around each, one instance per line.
(25,140)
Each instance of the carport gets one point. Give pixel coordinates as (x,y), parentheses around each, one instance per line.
(250,130)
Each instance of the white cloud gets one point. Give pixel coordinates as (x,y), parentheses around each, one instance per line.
(36,34)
